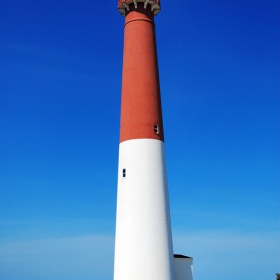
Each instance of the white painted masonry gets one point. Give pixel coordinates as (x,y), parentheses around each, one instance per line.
(143,228)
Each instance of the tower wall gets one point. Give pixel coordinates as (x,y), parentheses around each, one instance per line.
(141,104)
(143,245)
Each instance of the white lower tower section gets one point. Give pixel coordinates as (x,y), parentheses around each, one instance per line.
(143,248)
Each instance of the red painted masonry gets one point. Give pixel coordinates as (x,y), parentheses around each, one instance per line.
(141,104)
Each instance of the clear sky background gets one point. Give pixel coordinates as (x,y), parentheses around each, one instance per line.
(60,86)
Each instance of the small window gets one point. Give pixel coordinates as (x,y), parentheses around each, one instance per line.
(124,173)
(156,129)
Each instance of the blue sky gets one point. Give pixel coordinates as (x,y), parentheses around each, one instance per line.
(60,86)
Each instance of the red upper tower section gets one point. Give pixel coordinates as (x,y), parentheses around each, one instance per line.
(141,116)
(124,5)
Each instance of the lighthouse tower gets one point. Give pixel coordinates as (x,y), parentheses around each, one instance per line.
(143,245)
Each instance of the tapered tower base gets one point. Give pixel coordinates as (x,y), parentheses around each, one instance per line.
(143,247)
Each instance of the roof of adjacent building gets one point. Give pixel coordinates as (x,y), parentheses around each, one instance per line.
(177,256)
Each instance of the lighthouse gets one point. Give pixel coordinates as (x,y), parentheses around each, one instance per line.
(143,242)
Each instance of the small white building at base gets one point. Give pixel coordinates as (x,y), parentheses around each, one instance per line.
(183,267)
